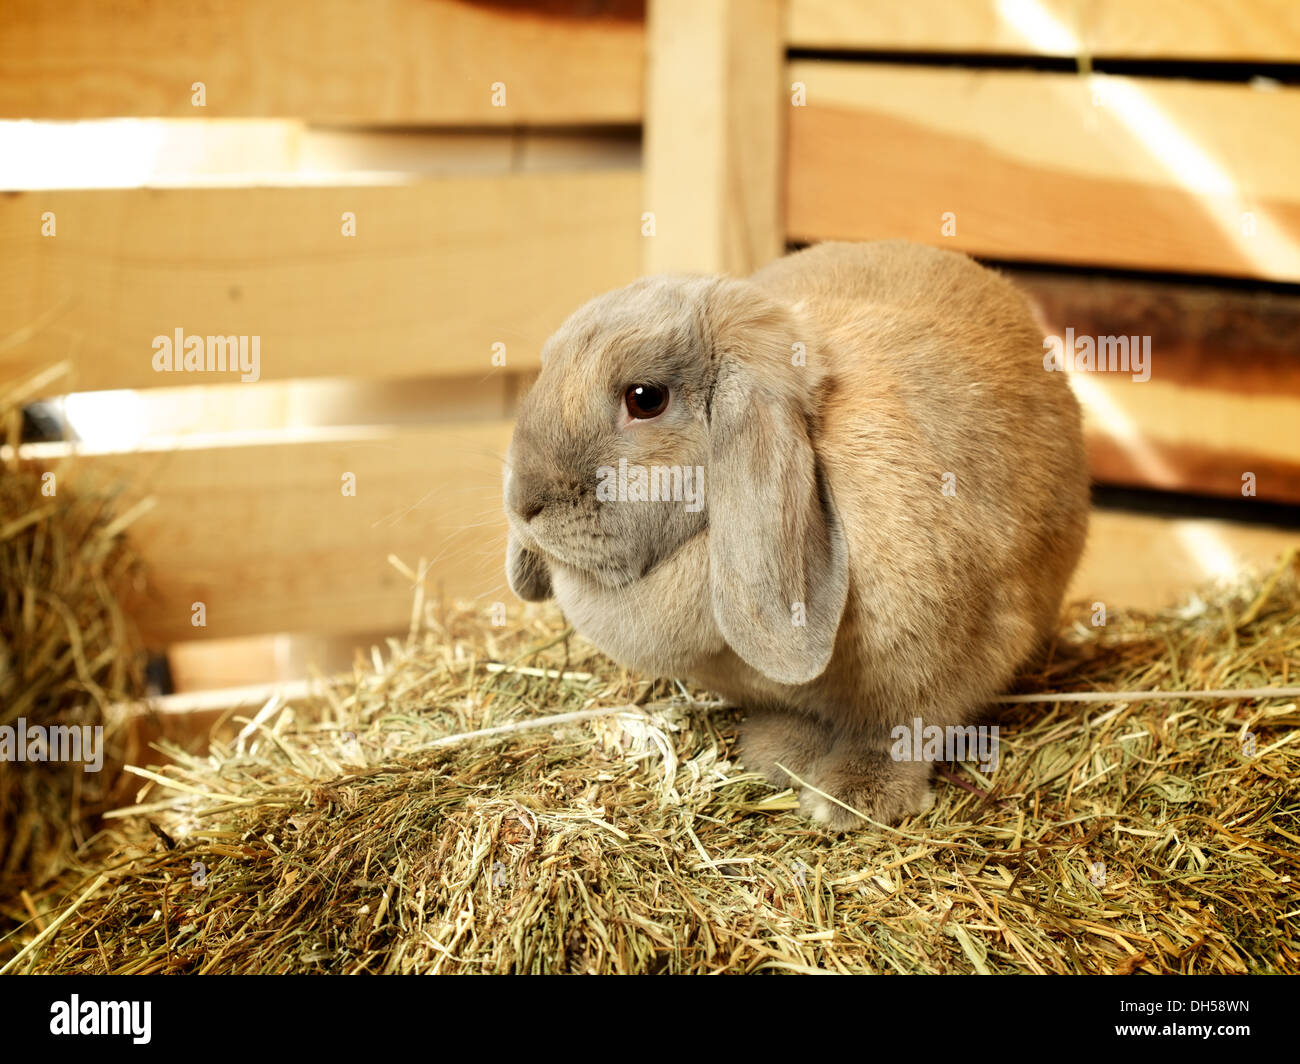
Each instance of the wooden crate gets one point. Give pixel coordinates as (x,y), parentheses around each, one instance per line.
(763,124)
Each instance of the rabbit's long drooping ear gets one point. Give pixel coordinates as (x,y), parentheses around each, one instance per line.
(778,562)
(526,572)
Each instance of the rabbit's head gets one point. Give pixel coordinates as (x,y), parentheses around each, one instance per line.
(672,409)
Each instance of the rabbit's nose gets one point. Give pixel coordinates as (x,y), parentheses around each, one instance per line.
(526,500)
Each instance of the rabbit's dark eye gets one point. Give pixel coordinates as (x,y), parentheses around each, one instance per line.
(645,401)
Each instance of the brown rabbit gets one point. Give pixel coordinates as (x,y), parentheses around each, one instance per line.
(894,497)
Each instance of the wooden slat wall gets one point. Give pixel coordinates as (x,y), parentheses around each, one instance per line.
(257,528)
(1223,397)
(438,272)
(1238,30)
(1132,561)
(1156,177)
(480,240)
(368,62)
(1196,440)
(262,534)
(1149,562)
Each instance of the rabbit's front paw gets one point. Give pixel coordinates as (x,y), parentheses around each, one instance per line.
(868,783)
(772,741)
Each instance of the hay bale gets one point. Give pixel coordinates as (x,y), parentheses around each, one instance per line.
(67,652)
(336,835)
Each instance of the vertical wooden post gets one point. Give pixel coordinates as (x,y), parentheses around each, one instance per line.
(714,134)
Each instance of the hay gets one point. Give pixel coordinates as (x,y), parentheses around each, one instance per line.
(336,836)
(67,650)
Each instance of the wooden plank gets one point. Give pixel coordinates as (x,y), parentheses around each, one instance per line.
(211,664)
(1148,562)
(262,534)
(188,153)
(712,133)
(122,421)
(178,151)
(1204,442)
(1131,561)
(1171,457)
(465,151)
(1208,335)
(216,700)
(1236,30)
(375,62)
(1223,394)
(1164,175)
(438,272)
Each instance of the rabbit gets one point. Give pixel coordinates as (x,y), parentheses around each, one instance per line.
(895,495)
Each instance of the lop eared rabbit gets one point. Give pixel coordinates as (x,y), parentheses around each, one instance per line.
(894,497)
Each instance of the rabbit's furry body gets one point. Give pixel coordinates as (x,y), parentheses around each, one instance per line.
(895,491)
